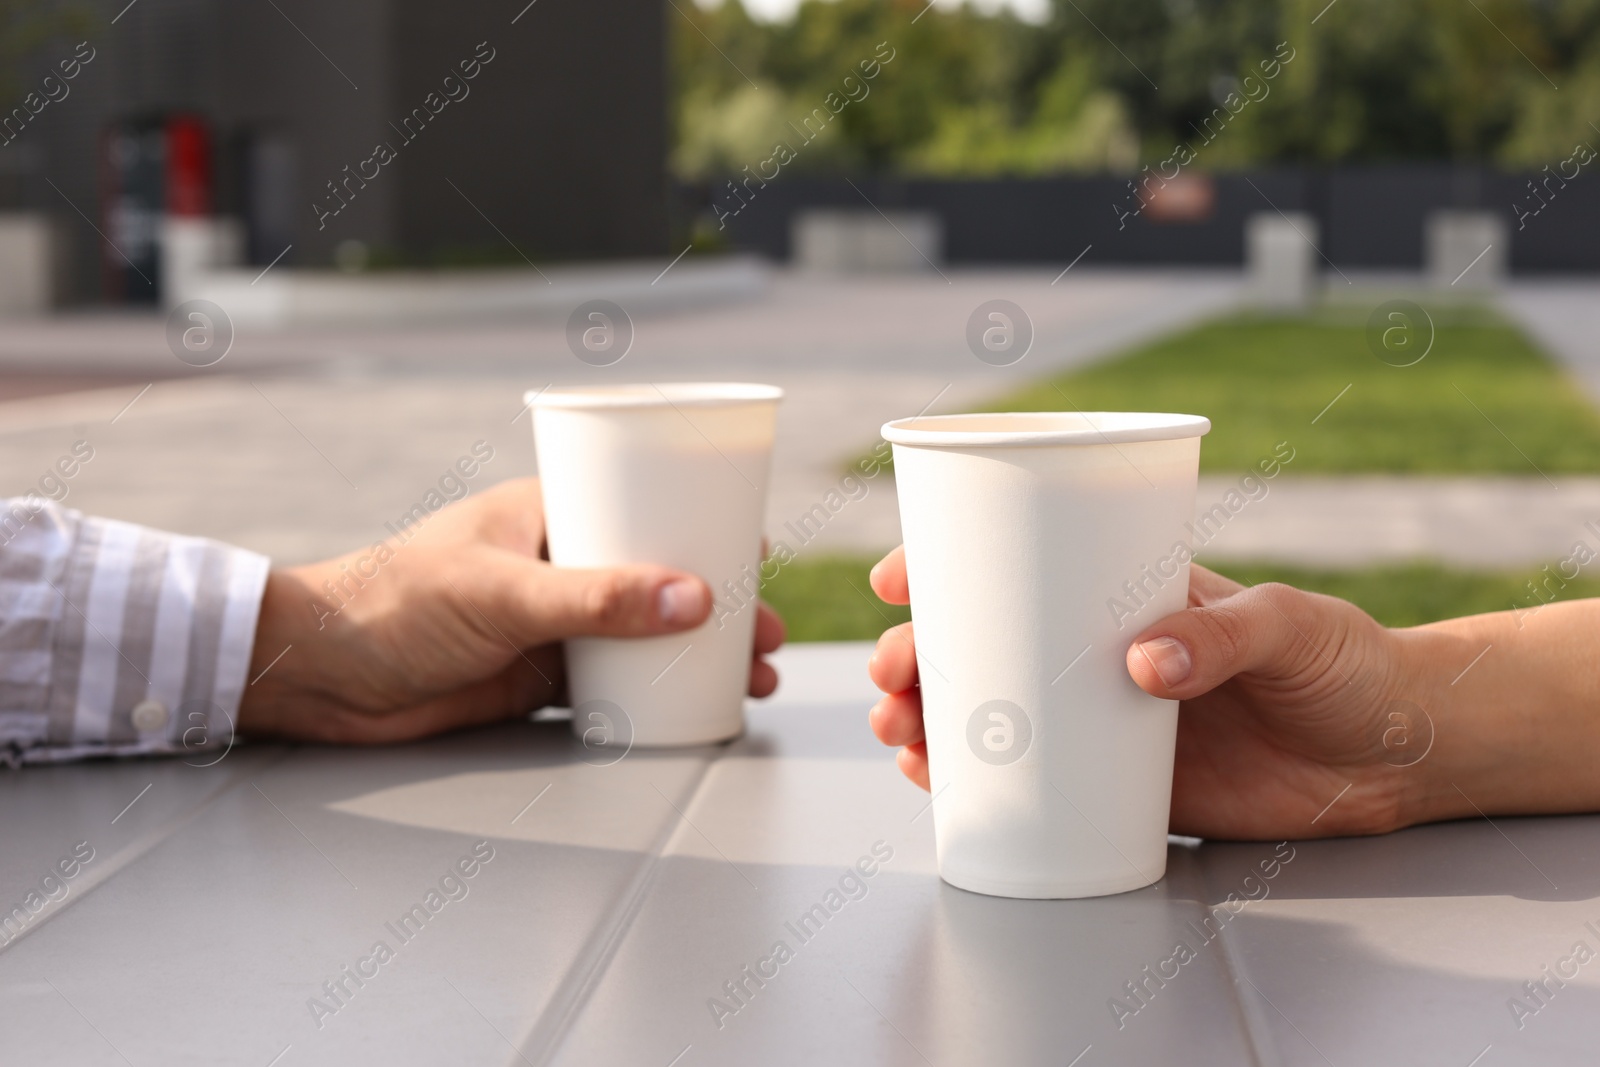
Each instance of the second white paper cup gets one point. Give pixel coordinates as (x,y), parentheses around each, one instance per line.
(673,474)
(1037,546)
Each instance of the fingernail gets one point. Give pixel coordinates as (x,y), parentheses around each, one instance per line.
(1169,657)
(680,602)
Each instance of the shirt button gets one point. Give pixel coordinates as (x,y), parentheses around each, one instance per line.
(149,716)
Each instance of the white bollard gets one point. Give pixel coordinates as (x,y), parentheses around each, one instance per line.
(191,248)
(27,264)
(1467,249)
(1281,259)
(839,242)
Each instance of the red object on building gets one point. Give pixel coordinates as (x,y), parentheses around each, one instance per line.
(189,178)
(1183,198)
(151,167)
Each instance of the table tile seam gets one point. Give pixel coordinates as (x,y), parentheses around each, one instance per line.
(583,977)
(1258,1036)
(142,846)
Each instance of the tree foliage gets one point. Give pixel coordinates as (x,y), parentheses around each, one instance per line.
(25,26)
(1111,84)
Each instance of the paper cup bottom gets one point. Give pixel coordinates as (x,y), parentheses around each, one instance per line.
(659,692)
(1063,889)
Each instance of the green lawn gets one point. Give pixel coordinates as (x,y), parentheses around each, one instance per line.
(1483,400)
(1483,392)
(828,599)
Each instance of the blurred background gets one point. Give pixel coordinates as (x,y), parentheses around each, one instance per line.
(275,265)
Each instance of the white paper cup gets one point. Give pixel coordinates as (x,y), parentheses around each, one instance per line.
(673,474)
(1051,771)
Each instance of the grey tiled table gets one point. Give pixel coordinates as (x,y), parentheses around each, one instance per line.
(617,905)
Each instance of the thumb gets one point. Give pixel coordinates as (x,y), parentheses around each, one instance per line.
(547,603)
(1270,630)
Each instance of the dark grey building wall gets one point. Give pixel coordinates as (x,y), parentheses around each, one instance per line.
(561,143)
(328,97)
(156,57)
(1369,217)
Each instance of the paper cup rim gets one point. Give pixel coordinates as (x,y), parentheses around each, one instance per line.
(1034,428)
(651,394)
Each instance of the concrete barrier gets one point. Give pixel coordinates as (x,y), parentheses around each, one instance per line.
(192,248)
(840,242)
(1282,260)
(289,297)
(1466,249)
(27,264)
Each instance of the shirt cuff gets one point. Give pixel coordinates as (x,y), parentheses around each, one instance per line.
(150,637)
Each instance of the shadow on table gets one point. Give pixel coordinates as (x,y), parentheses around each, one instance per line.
(915,971)
(1396,984)
(1406,948)
(1551,858)
(1547,858)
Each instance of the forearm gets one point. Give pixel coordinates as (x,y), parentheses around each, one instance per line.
(1514,702)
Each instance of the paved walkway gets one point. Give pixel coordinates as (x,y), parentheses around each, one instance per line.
(1489,522)
(315,438)
(1563,315)
(330,433)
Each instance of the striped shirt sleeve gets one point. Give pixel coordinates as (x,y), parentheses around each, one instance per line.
(116,639)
